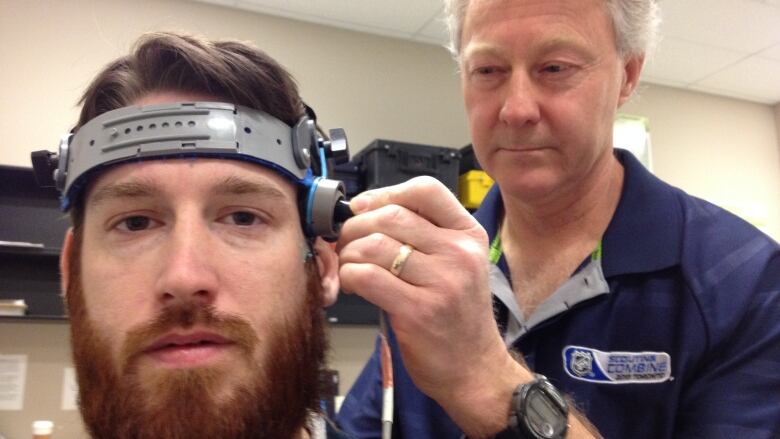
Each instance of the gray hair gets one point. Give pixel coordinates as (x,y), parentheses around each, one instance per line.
(635,22)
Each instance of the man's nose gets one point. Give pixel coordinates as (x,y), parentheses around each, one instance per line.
(188,271)
(520,105)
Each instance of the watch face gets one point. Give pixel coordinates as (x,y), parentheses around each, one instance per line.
(542,415)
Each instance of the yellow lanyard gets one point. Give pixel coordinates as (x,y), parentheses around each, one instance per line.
(495,251)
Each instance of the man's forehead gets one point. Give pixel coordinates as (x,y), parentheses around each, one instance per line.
(174,176)
(510,10)
(558,17)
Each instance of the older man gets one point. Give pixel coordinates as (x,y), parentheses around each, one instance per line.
(653,313)
(194,287)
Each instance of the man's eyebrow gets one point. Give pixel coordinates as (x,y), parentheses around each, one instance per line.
(557,43)
(561,43)
(474,49)
(132,189)
(234,185)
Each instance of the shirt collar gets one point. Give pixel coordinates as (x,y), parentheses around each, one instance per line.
(645,232)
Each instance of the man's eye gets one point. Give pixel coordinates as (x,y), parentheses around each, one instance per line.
(555,68)
(483,71)
(243,218)
(135,223)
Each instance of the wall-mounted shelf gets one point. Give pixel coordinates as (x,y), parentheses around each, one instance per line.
(34,319)
(33,252)
(31,231)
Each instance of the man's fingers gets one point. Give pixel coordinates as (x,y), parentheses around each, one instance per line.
(396,222)
(377,286)
(383,251)
(425,196)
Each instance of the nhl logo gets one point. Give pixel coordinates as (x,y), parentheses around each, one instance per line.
(582,363)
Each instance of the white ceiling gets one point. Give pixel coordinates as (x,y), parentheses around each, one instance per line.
(724,47)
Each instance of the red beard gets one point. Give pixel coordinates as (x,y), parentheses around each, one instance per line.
(275,400)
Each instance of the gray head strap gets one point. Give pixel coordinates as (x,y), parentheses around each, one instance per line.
(197,128)
(210,129)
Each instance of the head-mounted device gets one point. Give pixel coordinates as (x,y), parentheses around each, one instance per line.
(204,129)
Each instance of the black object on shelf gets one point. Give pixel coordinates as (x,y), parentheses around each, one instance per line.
(385,163)
(29,213)
(352,177)
(388,162)
(32,228)
(468,161)
(351,309)
(35,279)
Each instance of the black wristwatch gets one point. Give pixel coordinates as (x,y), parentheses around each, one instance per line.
(538,411)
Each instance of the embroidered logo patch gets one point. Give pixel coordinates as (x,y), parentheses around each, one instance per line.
(588,364)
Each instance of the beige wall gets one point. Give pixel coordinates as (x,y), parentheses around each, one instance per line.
(777,122)
(48,352)
(721,149)
(374,87)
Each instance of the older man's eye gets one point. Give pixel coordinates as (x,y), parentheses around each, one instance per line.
(557,68)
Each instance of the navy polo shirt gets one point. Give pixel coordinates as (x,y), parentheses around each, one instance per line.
(683,341)
(333,432)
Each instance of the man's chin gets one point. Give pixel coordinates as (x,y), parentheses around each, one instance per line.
(212,388)
(219,382)
(207,402)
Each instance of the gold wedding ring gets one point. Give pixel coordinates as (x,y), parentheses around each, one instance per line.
(400,260)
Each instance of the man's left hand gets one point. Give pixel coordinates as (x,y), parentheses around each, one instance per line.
(439,304)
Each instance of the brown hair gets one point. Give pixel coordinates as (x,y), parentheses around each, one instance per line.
(231,71)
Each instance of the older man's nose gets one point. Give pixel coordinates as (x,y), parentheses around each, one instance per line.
(520,106)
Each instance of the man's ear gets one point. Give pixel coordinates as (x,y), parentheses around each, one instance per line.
(328,266)
(631,69)
(67,251)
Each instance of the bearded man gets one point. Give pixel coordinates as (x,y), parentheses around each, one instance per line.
(195,291)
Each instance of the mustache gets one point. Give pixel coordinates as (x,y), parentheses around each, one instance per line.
(520,143)
(509,137)
(186,315)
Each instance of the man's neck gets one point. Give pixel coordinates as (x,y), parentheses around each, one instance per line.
(571,218)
